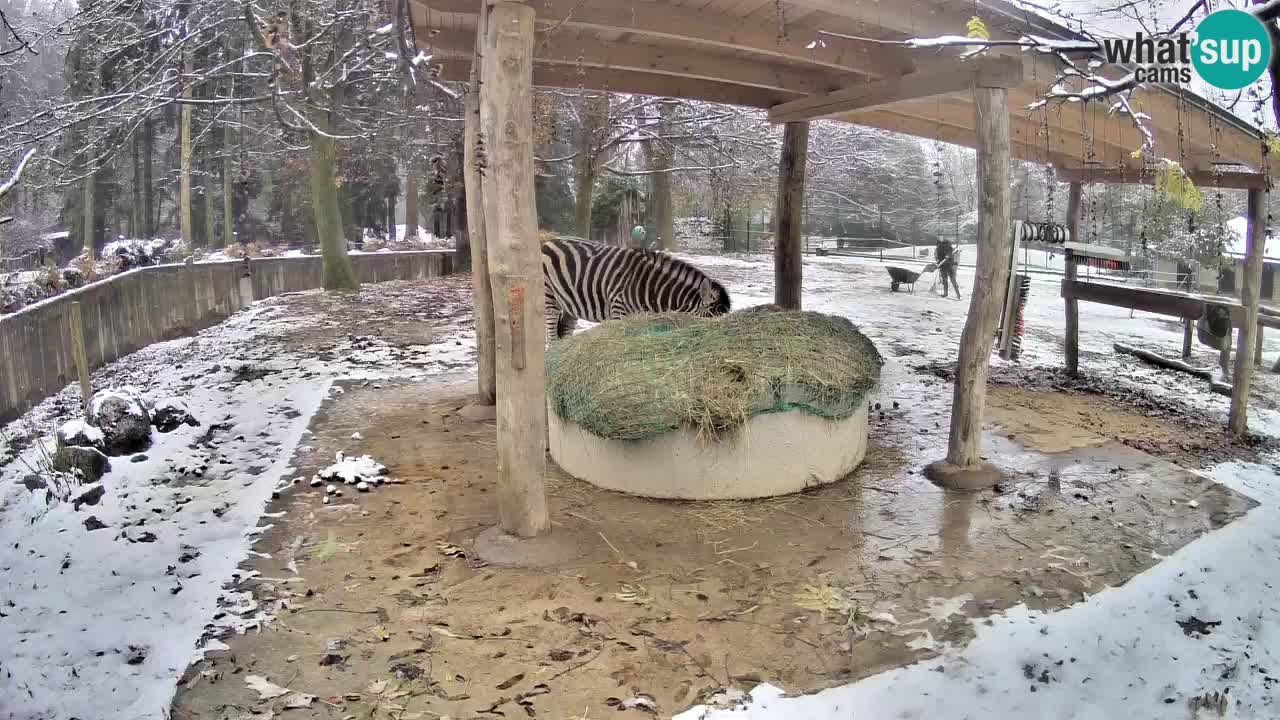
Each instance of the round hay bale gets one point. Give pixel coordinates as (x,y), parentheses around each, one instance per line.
(747,405)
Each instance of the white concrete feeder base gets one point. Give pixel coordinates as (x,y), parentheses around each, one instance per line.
(773,454)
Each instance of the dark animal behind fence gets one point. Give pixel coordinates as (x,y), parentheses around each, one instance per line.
(602,282)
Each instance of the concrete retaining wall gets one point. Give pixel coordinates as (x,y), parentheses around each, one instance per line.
(129,311)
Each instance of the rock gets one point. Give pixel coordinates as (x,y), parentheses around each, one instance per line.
(91,463)
(92,523)
(78,433)
(362,486)
(90,496)
(140,457)
(34,482)
(123,418)
(136,655)
(172,413)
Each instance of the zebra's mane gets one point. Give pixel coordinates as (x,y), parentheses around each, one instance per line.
(662,260)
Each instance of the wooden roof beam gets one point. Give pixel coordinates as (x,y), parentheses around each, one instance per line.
(955,135)
(913,19)
(701,28)
(1204,179)
(588,51)
(623,81)
(931,81)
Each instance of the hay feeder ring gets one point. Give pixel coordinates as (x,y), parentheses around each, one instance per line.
(751,405)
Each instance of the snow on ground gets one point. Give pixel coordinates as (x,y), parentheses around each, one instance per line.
(1122,653)
(101,610)
(100,623)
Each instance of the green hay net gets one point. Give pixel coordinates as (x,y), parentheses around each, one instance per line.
(650,374)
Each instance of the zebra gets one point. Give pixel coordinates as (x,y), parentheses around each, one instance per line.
(601,282)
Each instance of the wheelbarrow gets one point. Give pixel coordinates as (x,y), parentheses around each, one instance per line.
(900,276)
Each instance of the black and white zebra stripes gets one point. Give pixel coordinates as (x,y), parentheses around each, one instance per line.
(601,282)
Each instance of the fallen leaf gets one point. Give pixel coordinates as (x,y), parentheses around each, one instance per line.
(450,550)
(635,594)
(510,682)
(266,690)
(297,700)
(329,549)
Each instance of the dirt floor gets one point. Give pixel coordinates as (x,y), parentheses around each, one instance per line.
(382,609)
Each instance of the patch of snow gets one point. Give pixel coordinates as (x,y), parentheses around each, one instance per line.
(128,395)
(353,470)
(1119,654)
(72,428)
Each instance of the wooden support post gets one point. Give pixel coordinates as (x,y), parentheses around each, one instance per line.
(79,356)
(1188,330)
(787,270)
(481,288)
(1249,291)
(1071,340)
(963,467)
(515,267)
(1257,349)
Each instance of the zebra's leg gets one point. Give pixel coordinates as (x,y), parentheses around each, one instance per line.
(551,316)
(617,309)
(566,324)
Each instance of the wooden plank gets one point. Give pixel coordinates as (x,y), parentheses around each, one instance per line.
(1249,291)
(515,265)
(1203,373)
(964,446)
(1161,302)
(686,25)
(913,19)
(1204,179)
(938,79)
(1071,342)
(789,246)
(641,83)
(582,52)
(473,183)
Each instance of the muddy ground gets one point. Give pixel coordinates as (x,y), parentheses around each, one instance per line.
(383,610)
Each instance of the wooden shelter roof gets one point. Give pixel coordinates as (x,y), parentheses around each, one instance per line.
(770,55)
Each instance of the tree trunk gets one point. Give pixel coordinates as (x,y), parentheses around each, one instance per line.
(584,180)
(89,220)
(185,220)
(228,172)
(474,183)
(135,209)
(210,230)
(515,265)
(1249,290)
(1071,342)
(987,296)
(788,243)
(148,230)
(410,176)
(338,273)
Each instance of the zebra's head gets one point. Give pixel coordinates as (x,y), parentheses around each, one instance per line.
(713,299)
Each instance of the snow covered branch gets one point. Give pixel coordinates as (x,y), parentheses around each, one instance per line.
(8,185)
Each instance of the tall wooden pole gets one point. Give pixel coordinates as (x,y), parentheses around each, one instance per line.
(787,246)
(1071,340)
(1249,291)
(515,267)
(473,182)
(963,467)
